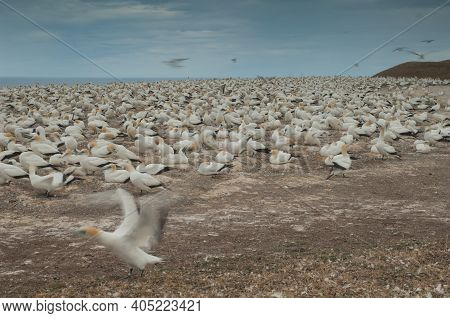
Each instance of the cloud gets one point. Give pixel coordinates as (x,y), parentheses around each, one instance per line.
(83,11)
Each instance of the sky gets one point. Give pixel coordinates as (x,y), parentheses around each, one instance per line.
(133,38)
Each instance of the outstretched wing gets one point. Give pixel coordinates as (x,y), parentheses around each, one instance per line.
(130,213)
(152,218)
(142,227)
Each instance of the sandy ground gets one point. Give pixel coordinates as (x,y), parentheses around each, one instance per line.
(255,231)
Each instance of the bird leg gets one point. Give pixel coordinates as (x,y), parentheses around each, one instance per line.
(142,272)
(331,174)
(129,273)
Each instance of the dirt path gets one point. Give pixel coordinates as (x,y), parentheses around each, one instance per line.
(383,231)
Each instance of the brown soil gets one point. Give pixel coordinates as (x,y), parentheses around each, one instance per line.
(383,231)
(439,70)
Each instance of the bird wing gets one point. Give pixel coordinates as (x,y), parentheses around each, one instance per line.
(46,148)
(390,149)
(152,218)
(342,162)
(141,227)
(149,180)
(14,171)
(96,161)
(130,213)
(58,179)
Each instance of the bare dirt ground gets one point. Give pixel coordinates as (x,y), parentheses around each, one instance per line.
(440,70)
(255,231)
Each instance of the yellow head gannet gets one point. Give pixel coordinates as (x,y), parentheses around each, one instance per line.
(383,148)
(278,157)
(91,164)
(140,229)
(125,154)
(113,175)
(101,149)
(42,149)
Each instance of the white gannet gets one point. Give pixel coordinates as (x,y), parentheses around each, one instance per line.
(171,160)
(341,162)
(432,135)
(101,149)
(142,181)
(91,164)
(13,146)
(8,154)
(152,168)
(383,148)
(112,175)
(125,154)
(30,158)
(422,146)
(49,182)
(140,229)
(209,168)
(70,142)
(224,157)
(331,149)
(255,146)
(9,172)
(42,149)
(278,157)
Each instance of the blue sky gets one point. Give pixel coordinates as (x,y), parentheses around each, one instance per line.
(131,38)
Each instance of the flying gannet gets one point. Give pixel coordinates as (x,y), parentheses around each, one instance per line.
(141,229)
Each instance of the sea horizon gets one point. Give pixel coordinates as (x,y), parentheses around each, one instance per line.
(16,81)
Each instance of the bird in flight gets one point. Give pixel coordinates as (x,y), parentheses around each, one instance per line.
(420,55)
(142,224)
(427,41)
(234,60)
(399,49)
(176,63)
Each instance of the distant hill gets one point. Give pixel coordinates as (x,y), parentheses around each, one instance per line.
(439,70)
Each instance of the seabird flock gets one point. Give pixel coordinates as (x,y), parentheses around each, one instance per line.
(56,134)
(409,51)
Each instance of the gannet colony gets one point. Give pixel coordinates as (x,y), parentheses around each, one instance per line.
(57,134)
(51,136)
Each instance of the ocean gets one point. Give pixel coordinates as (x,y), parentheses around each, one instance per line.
(26,81)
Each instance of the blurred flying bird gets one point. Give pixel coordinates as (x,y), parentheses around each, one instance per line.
(427,41)
(399,49)
(176,63)
(141,227)
(420,55)
(234,60)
